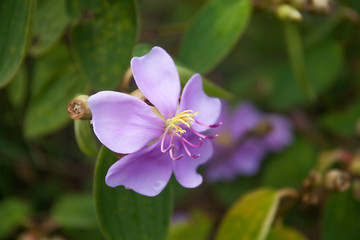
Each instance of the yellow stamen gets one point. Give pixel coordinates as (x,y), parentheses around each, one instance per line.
(185,117)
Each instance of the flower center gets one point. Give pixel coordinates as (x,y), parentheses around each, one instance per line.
(174,127)
(185,117)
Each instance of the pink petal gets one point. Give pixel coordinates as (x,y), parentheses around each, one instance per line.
(146,172)
(185,168)
(123,123)
(194,98)
(157,78)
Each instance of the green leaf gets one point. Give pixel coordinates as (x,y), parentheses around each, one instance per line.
(295,163)
(229,191)
(198,227)
(250,217)
(285,233)
(280,88)
(75,211)
(49,24)
(15,18)
(49,67)
(13,213)
(343,122)
(102,45)
(296,55)
(47,111)
(85,138)
(209,87)
(16,90)
(75,7)
(285,92)
(213,33)
(141,49)
(75,214)
(340,218)
(124,214)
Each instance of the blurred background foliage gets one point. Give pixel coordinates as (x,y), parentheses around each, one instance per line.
(307,68)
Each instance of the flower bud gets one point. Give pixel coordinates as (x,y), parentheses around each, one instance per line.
(321,5)
(78,108)
(337,180)
(287,12)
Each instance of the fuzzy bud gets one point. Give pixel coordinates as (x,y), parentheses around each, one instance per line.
(322,5)
(287,12)
(78,108)
(337,180)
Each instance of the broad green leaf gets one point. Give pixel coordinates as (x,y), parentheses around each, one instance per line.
(75,211)
(124,214)
(250,217)
(340,218)
(281,90)
(296,55)
(102,45)
(295,163)
(49,67)
(85,137)
(16,90)
(209,87)
(213,33)
(229,191)
(286,93)
(285,233)
(75,214)
(15,18)
(75,7)
(195,226)
(49,24)
(141,49)
(47,111)
(13,214)
(343,122)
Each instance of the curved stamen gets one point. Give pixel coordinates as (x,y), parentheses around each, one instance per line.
(209,126)
(171,145)
(172,155)
(203,136)
(187,150)
(191,144)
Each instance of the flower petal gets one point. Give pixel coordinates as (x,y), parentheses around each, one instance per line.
(185,168)
(220,169)
(123,123)
(194,98)
(157,78)
(146,171)
(247,159)
(246,118)
(281,134)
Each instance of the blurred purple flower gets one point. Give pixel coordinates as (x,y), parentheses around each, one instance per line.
(246,137)
(127,125)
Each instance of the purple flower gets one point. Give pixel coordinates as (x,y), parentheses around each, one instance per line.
(161,139)
(246,137)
